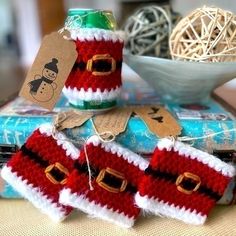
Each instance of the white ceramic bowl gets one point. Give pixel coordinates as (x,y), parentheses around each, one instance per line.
(180,81)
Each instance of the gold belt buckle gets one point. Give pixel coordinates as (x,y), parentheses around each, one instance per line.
(115,173)
(61,168)
(188,175)
(98,57)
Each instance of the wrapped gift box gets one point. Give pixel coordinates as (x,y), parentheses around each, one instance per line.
(197,120)
(19,118)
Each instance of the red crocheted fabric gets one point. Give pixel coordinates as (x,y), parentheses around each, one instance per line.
(81,78)
(26,173)
(117,207)
(183,182)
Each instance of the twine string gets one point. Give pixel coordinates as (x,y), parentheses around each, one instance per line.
(69,23)
(81,140)
(61,31)
(88,165)
(104,137)
(186,138)
(192,139)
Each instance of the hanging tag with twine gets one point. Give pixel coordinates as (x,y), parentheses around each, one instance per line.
(158,120)
(113,122)
(70,119)
(52,66)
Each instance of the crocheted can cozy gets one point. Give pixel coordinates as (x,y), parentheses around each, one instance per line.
(40,169)
(116,172)
(182,182)
(95,80)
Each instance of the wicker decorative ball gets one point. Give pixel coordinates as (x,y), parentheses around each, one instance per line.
(147,31)
(207,34)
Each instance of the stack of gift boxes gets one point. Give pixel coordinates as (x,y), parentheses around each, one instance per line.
(115,179)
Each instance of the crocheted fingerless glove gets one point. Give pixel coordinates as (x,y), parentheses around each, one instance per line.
(182,182)
(96,75)
(116,172)
(40,169)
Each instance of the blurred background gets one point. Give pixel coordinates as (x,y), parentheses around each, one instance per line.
(25,22)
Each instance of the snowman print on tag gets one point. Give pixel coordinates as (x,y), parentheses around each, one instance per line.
(43,86)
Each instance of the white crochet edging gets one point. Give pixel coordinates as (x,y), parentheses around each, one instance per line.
(193,153)
(164,209)
(120,151)
(34,195)
(95,210)
(93,34)
(74,95)
(70,149)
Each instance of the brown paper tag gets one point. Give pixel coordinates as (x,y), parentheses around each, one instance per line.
(158,120)
(52,65)
(114,121)
(71,119)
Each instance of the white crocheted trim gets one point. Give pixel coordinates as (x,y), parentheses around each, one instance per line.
(71,150)
(95,210)
(34,195)
(74,95)
(193,153)
(170,210)
(93,34)
(120,151)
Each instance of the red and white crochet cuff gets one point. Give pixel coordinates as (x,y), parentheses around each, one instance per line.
(96,75)
(182,182)
(115,173)
(40,169)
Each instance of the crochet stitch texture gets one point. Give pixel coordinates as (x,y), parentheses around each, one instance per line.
(108,200)
(26,171)
(182,182)
(84,84)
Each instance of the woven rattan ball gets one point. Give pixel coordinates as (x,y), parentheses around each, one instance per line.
(147,31)
(207,34)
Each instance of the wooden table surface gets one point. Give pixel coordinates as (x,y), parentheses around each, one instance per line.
(20,218)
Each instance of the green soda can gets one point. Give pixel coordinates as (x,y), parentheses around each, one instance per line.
(94,83)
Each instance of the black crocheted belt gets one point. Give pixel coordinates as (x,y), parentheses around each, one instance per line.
(107,178)
(100,64)
(186,183)
(56,172)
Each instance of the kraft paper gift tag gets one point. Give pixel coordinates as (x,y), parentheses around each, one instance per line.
(52,65)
